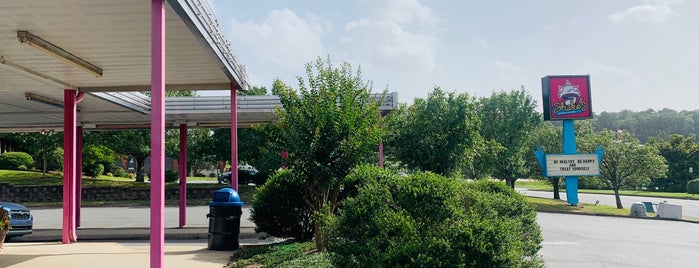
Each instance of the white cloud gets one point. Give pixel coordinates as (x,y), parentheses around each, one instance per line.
(396,35)
(507,67)
(283,38)
(654,12)
(479,43)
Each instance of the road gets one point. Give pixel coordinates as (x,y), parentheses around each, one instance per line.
(690,208)
(128,217)
(595,241)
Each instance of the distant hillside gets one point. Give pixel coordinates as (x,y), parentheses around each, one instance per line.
(650,123)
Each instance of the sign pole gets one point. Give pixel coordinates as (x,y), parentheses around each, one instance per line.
(569,147)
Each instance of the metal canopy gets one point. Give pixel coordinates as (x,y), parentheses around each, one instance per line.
(114,36)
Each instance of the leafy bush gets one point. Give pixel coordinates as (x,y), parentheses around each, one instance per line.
(212,175)
(693,186)
(120,172)
(13,160)
(94,170)
(595,183)
(278,208)
(426,220)
(55,159)
(22,167)
(171,175)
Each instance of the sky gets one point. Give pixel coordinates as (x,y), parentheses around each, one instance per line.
(640,54)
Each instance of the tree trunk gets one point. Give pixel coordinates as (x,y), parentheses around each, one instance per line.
(556,188)
(511,183)
(618,199)
(43,169)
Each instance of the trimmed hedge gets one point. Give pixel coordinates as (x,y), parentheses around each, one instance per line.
(693,186)
(426,220)
(14,160)
(278,208)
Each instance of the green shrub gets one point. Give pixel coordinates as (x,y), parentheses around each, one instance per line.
(212,175)
(55,159)
(693,186)
(426,220)
(120,172)
(585,182)
(278,208)
(94,170)
(171,175)
(22,167)
(12,160)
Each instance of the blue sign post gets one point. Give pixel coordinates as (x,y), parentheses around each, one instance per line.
(570,147)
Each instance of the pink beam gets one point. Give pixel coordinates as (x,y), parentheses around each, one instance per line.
(381,154)
(78,173)
(183,174)
(234,138)
(69,118)
(157,135)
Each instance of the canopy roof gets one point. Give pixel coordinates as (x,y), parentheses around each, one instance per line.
(113,36)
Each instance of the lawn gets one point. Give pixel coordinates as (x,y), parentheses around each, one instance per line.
(542,185)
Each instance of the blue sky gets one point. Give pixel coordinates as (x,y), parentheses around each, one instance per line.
(639,54)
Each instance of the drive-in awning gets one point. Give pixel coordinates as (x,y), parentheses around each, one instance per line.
(114,36)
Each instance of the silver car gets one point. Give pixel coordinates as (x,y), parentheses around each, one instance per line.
(20,217)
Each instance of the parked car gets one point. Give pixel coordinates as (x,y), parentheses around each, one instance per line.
(20,217)
(245,173)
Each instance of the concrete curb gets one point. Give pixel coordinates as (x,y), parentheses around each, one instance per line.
(247,235)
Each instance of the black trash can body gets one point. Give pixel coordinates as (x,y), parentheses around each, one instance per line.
(224,220)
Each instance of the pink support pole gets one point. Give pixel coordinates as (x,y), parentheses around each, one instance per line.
(381,154)
(234,138)
(69,117)
(78,174)
(183,174)
(157,135)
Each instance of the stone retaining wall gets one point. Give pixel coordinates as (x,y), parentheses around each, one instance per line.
(20,194)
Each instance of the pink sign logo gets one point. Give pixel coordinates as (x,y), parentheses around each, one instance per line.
(566,97)
(571,102)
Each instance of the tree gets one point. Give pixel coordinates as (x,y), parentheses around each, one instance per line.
(329,126)
(437,134)
(508,118)
(40,144)
(626,161)
(96,158)
(200,147)
(253,91)
(135,143)
(681,154)
(549,138)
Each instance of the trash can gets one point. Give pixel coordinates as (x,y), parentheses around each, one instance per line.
(224,220)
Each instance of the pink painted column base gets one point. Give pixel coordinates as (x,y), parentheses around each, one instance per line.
(69,117)
(157,130)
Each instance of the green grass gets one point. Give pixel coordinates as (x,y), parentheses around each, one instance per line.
(285,254)
(559,206)
(541,185)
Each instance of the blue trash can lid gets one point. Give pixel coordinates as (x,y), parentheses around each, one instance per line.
(226,197)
